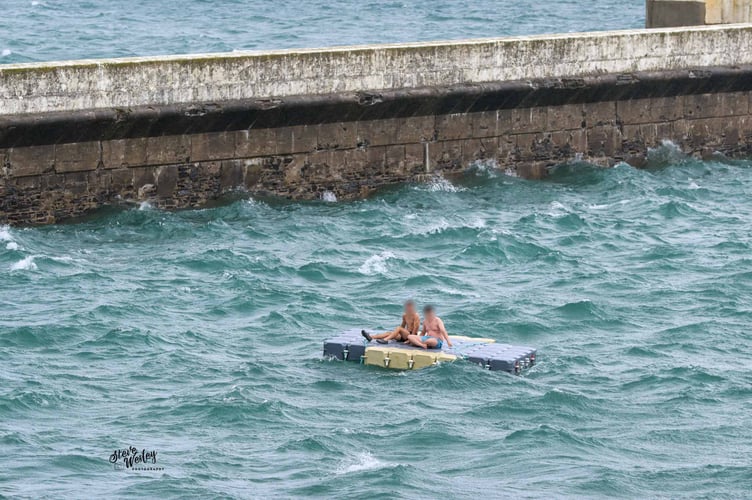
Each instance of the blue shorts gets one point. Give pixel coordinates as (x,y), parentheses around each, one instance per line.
(439,342)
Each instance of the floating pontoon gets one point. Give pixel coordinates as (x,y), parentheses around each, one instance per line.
(486,353)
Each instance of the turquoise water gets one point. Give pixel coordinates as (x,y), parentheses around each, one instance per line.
(197,334)
(43,30)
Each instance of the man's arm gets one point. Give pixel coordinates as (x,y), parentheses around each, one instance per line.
(444,333)
(415,326)
(404,322)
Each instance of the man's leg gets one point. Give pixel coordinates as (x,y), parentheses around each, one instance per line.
(386,335)
(431,343)
(415,340)
(401,334)
(382,335)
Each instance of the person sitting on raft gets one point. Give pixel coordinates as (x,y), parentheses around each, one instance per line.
(410,325)
(433,335)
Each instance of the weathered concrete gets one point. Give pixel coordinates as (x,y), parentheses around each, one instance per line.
(668,13)
(180,131)
(165,81)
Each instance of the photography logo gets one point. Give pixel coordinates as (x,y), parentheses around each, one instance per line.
(132,458)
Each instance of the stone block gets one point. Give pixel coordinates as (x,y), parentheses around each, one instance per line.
(656,109)
(213,146)
(395,157)
(376,132)
(28,183)
(77,157)
(446,156)
(414,129)
(121,179)
(603,141)
(231,176)
(415,156)
(143,176)
(252,173)
(532,169)
(671,13)
(292,171)
(283,139)
(453,126)
(505,122)
(305,138)
(167,180)
(376,157)
(507,145)
(32,160)
(716,105)
(565,117)
(356,161)
(636,138)
(342,135)
(728,135)
(566,144)
(124,153)
(599,113)
(527,120)
(483,148)
(76,182)
(256,142)
(534,147)
(167,149)
(484,124)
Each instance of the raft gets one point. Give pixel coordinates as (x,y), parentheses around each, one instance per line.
(486,353)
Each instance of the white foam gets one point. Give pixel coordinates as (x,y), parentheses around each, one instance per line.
(6,52)
(329,197)
(440,184)
(693,185)
(376,264)
(5,233)
(667,152)
(12,245)
(145,205)
(477,223)
(608,205)
(362,462)
(436,227)
(557,209)
(26,264)
(485,168)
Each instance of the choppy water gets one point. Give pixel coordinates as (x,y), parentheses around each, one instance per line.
(198,334)
(42,30)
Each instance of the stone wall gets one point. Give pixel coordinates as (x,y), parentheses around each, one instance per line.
(63,163)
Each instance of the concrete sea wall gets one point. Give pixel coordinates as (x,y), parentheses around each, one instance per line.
(181,130)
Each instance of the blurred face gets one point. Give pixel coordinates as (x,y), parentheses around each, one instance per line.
(429,313)
(410,308)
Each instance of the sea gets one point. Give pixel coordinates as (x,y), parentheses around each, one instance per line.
(178,354)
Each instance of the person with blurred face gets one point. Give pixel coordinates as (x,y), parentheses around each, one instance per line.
(409,326)
(433,335)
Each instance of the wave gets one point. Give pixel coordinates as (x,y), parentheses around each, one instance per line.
(376,264)
(5,234)
(439,184)
(361,462)
(25,264)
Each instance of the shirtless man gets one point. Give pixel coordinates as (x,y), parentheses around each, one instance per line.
(434,333)
(410,325)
